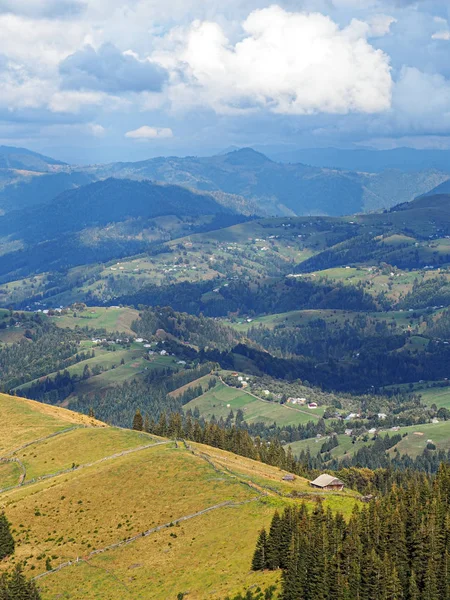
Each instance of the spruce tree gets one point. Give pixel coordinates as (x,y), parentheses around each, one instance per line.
(138,422)
(259,557)
(6,539)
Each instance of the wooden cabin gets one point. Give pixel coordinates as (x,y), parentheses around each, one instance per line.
(328,482)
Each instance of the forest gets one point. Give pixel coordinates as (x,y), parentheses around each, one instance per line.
(396,547)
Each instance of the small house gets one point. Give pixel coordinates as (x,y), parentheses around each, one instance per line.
(289,477)
(328,482)
(313,405)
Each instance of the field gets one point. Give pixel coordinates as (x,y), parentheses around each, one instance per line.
(219,400)
(22,421)
(414,443)
(110,319)
(345,447)
(334,318)
(133,516)
(438,395)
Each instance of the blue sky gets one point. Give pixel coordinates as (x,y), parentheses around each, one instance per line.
(101,80)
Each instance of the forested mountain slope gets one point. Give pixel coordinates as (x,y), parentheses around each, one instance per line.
(281,189)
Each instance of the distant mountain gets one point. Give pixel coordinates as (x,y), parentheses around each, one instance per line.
(23,159)
(102,203)
(443,188)
(369,161)
(18,190)
(105,220)
(281,189)
(402,236)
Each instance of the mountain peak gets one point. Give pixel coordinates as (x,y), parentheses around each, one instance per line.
(246,157)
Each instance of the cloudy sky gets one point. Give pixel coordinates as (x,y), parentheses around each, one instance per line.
(99,80)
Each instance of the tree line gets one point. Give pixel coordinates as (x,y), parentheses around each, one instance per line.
(396,548)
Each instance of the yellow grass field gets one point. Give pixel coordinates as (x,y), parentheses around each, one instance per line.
(137,516)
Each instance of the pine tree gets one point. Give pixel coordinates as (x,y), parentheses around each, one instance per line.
(138,422)
(19,588)
(6,539)
(259,557)
(147,426)
(414,593)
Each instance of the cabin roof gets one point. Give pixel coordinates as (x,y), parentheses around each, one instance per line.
(325,480)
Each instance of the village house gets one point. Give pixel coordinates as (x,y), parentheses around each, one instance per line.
(296,401)
(313,405)
(328,482)
(289,477)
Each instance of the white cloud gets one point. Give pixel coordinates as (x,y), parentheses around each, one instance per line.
(441,35)
(380,25)
(150,133)
(289,63)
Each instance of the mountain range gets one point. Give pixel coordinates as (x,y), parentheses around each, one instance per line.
(245,180)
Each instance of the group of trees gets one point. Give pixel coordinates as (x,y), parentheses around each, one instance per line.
(396,548)
(50,349)
(13,585)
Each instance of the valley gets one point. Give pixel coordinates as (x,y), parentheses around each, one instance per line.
(207,362)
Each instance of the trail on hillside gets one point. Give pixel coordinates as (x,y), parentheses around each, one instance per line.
(94,553)
(84,466)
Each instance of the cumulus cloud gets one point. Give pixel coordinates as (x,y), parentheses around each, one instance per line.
(289,63)
(150,133)
(109,70)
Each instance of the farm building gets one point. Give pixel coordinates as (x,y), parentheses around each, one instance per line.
(289,477)
(328,482)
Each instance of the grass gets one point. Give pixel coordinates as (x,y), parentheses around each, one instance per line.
(9,474)
(103,358)
(220,399)
(81,446)
(414,445)
(438,395)
(22,421)
(111,319)
(70,515)
(345,447)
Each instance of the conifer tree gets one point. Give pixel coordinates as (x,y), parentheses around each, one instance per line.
(147,427)
(138,422)
(6,539)
(259,557)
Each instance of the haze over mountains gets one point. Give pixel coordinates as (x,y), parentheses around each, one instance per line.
(322,182)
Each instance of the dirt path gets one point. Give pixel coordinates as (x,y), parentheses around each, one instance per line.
(94,553)
(39,440)
(84,466)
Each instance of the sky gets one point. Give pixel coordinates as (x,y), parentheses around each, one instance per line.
(100,80)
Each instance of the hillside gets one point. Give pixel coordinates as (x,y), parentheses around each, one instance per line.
(100,221)
(101,203)
(282,189)
(26,160)
(173,517)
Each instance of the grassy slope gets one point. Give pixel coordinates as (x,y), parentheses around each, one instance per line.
(131,491)
(110,319)
(215,402)
(438,396)
(414,445)
(345,448)
(22,421)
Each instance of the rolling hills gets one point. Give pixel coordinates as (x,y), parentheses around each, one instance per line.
(282,189)
(104,512)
